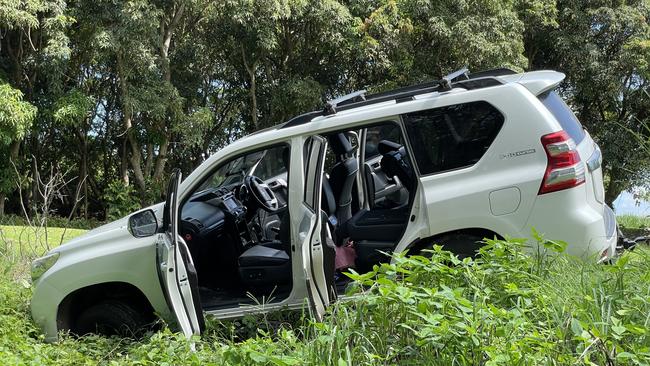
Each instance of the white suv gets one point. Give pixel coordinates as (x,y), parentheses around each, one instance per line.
(492,154)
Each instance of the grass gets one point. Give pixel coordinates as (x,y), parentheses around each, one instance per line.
(505,308)
(633,222)
(35,240)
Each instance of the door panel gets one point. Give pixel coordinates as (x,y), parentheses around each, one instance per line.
(176,268)
(315,253)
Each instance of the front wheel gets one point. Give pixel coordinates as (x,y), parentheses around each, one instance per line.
(110,317)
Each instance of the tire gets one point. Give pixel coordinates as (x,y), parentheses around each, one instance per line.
(109,318)
(463,245)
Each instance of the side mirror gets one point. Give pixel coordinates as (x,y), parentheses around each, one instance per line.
(143,224)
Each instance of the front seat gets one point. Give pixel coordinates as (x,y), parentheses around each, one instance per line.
(342,175)
(268,263)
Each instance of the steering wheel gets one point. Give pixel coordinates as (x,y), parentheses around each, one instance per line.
(262,193)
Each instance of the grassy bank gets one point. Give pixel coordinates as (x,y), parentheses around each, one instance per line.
(633,222)
(504,309)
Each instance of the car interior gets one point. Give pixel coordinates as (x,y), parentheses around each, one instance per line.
(236,224)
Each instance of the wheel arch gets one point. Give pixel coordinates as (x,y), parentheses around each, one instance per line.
(82,298)
(482,233)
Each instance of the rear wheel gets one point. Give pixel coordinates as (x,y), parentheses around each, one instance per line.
(111,317)
(461,244)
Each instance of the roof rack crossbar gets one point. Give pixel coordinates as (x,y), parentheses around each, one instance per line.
(357,96)
(445,82)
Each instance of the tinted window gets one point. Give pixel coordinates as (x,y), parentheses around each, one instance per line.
(564,115)
(388,131)
(452,137)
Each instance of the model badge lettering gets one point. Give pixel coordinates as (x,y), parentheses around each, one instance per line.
(517,154)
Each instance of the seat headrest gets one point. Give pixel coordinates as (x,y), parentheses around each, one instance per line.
(340,144)
(386,146)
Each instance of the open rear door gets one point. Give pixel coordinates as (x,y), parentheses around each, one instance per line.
(317,249)
(176,269)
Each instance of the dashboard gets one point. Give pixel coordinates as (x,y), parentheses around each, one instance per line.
(207,212)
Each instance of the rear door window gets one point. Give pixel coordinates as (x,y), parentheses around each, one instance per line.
(564,115)
(452,137)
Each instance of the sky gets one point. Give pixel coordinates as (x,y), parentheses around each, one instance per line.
(625,204)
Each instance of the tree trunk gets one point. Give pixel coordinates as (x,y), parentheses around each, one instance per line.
(614,187)
(82,188)
(253,86)
(124,163)
(253,92)
(161,160)
(136,155)
(13,155)
(136,164)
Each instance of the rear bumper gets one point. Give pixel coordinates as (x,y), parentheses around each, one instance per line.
(590,233)
(611,233)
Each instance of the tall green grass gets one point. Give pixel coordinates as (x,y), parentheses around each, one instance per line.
(506,308)
(633,222)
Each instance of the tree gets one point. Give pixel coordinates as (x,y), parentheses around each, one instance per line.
(16,117)
(123,89)
(603,48)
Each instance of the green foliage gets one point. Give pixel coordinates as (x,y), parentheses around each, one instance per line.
(16,115)
(146,86)
(428,309)
(20,13)
(120,200)
(73,108)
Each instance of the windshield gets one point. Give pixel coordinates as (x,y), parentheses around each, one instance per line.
(264,164)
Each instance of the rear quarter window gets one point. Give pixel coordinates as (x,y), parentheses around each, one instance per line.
(561,111)
(452,137)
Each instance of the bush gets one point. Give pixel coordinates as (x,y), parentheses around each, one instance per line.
(505,308)
(120,200)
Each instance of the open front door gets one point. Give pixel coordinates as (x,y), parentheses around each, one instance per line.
(176,269)
(316,244)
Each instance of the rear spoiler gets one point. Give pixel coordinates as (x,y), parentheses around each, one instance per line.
(537,82)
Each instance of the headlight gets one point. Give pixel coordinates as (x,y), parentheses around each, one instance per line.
(42,264)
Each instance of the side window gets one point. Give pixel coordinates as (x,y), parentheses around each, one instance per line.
(452,137)
(272,163)
(313,169)
(387,131)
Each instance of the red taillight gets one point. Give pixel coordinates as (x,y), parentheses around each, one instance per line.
(564,168)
